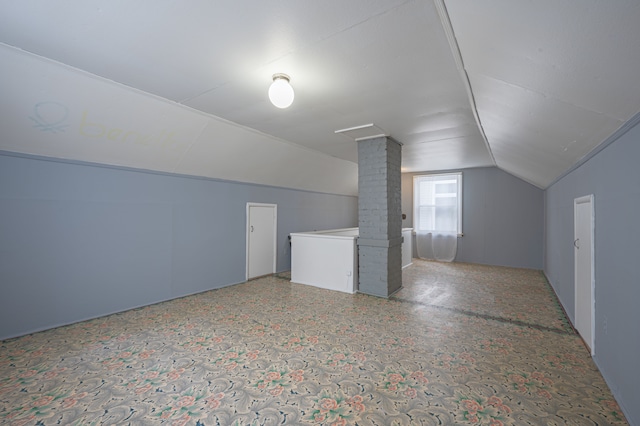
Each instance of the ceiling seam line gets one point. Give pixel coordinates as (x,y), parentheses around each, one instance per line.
(439,140)
(457,57)
(301,47)
(621,131)
(191,145)
(548,96)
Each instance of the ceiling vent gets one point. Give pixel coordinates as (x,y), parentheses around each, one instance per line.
(366,131)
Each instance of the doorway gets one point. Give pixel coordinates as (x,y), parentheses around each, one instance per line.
(584,269)
(261,239)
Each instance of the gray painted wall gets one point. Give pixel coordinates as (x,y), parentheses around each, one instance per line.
(613,177)
(79,241)
(502,219)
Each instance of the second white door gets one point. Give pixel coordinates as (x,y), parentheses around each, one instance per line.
(584,270)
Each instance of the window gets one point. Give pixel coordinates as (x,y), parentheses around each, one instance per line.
(437,202)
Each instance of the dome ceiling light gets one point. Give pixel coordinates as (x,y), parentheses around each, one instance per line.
(280,92)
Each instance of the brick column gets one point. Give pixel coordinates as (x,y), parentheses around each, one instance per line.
(379,216)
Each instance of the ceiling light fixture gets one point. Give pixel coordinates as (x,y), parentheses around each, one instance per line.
(280,92)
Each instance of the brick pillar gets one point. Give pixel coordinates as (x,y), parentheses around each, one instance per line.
(379,216)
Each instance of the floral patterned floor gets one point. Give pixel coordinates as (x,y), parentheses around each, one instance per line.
(459,344)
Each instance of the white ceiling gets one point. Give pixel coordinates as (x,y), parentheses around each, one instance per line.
(531,87)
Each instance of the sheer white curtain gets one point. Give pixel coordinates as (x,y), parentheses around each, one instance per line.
(437,215)
(440,246)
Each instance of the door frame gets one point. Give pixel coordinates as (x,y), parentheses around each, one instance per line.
(275,235)
(582,200)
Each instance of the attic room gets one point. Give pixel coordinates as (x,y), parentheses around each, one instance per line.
(136,136)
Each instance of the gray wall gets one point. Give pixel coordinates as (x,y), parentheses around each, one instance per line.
(502,218)
(79,241)
(613,177)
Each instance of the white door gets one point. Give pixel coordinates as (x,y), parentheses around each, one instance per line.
(584,269)
(261,239)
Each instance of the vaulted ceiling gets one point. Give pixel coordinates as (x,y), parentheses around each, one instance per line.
(531,87)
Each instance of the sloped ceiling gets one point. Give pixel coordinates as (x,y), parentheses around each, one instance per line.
(180,87)
(551,79)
